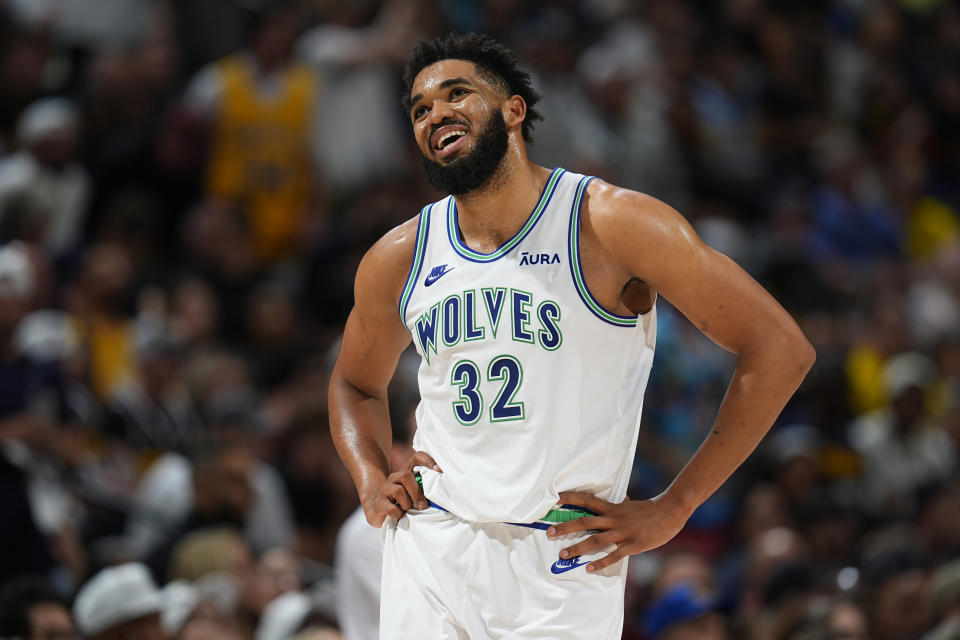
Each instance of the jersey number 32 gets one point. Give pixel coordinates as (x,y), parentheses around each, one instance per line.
(469,407)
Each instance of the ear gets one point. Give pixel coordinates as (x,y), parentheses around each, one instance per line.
(514,111)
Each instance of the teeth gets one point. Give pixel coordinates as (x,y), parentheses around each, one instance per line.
(447,135)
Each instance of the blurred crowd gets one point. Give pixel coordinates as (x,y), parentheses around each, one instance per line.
(187,187)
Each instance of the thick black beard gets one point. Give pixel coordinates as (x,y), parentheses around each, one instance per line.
(473,170)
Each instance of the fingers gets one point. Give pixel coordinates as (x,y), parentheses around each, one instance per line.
(399,492)
(411,487)
(613,557)
(406,478)
(588,500)
(589,545)
(585,523)
(421,459)
(608,521)
(377,511)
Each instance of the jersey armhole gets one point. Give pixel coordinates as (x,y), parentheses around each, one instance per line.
(576,270)
(423,229)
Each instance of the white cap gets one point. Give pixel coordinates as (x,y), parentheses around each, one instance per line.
(179,601)
(46,116)
(909,369)
(283,616)
(220,589)
(47,335)
(16,272)
(114,596)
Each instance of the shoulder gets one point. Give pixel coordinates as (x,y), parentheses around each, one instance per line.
(623,220)
(608,204)
(395,247)
(386,265)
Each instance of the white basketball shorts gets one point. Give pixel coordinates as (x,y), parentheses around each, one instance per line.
(445,579)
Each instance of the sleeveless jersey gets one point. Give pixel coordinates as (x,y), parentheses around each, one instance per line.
(528,386)
(260,154)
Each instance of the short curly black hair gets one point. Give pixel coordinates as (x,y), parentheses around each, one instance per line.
(496,63)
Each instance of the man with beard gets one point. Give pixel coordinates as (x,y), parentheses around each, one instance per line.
(529,294)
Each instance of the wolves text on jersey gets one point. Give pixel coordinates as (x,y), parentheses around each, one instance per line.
(474,314)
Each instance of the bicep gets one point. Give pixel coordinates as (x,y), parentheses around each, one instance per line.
(370,351)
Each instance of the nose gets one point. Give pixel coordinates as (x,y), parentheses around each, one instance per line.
(440,110)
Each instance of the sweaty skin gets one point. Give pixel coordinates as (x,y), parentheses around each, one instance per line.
(633,248)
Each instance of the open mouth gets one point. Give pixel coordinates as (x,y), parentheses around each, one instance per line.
(447,139)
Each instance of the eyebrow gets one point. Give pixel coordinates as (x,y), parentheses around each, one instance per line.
(449,82)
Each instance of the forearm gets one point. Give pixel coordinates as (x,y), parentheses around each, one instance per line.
(765,379)
(360,426)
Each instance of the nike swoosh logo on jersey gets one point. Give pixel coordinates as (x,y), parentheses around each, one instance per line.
(437,273)
(562,566)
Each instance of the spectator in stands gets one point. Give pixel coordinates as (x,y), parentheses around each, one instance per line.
(28,414)
(120,603)
(903,447)
(191,614)
(684,614)
(31,609)
(259,104)
(151,410)
(101,316)
(835,618)
(47,166)
(222,496)
(356,52)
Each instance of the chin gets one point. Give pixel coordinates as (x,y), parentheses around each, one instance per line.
(472,167)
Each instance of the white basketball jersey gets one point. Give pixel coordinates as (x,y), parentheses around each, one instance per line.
(528,386)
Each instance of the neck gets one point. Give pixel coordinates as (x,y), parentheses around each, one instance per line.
(494,212)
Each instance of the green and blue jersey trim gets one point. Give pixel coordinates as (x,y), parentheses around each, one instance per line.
(576,269)
(557,515)
(554,516)
(467,253)
(423,230)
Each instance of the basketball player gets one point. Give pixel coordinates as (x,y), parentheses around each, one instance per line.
(530,295)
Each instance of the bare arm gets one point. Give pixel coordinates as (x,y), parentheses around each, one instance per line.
(650,241)
(373,339)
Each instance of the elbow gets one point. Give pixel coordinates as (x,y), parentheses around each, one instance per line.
(786,352)
(804,355)
(811,354)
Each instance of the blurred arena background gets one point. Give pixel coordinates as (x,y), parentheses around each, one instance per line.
(186,188)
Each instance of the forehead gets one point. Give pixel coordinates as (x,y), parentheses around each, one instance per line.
(432,76)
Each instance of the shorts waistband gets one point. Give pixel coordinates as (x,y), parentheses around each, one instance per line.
(560,513)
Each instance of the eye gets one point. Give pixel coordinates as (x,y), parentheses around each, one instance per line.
(457,92)
(419,112)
